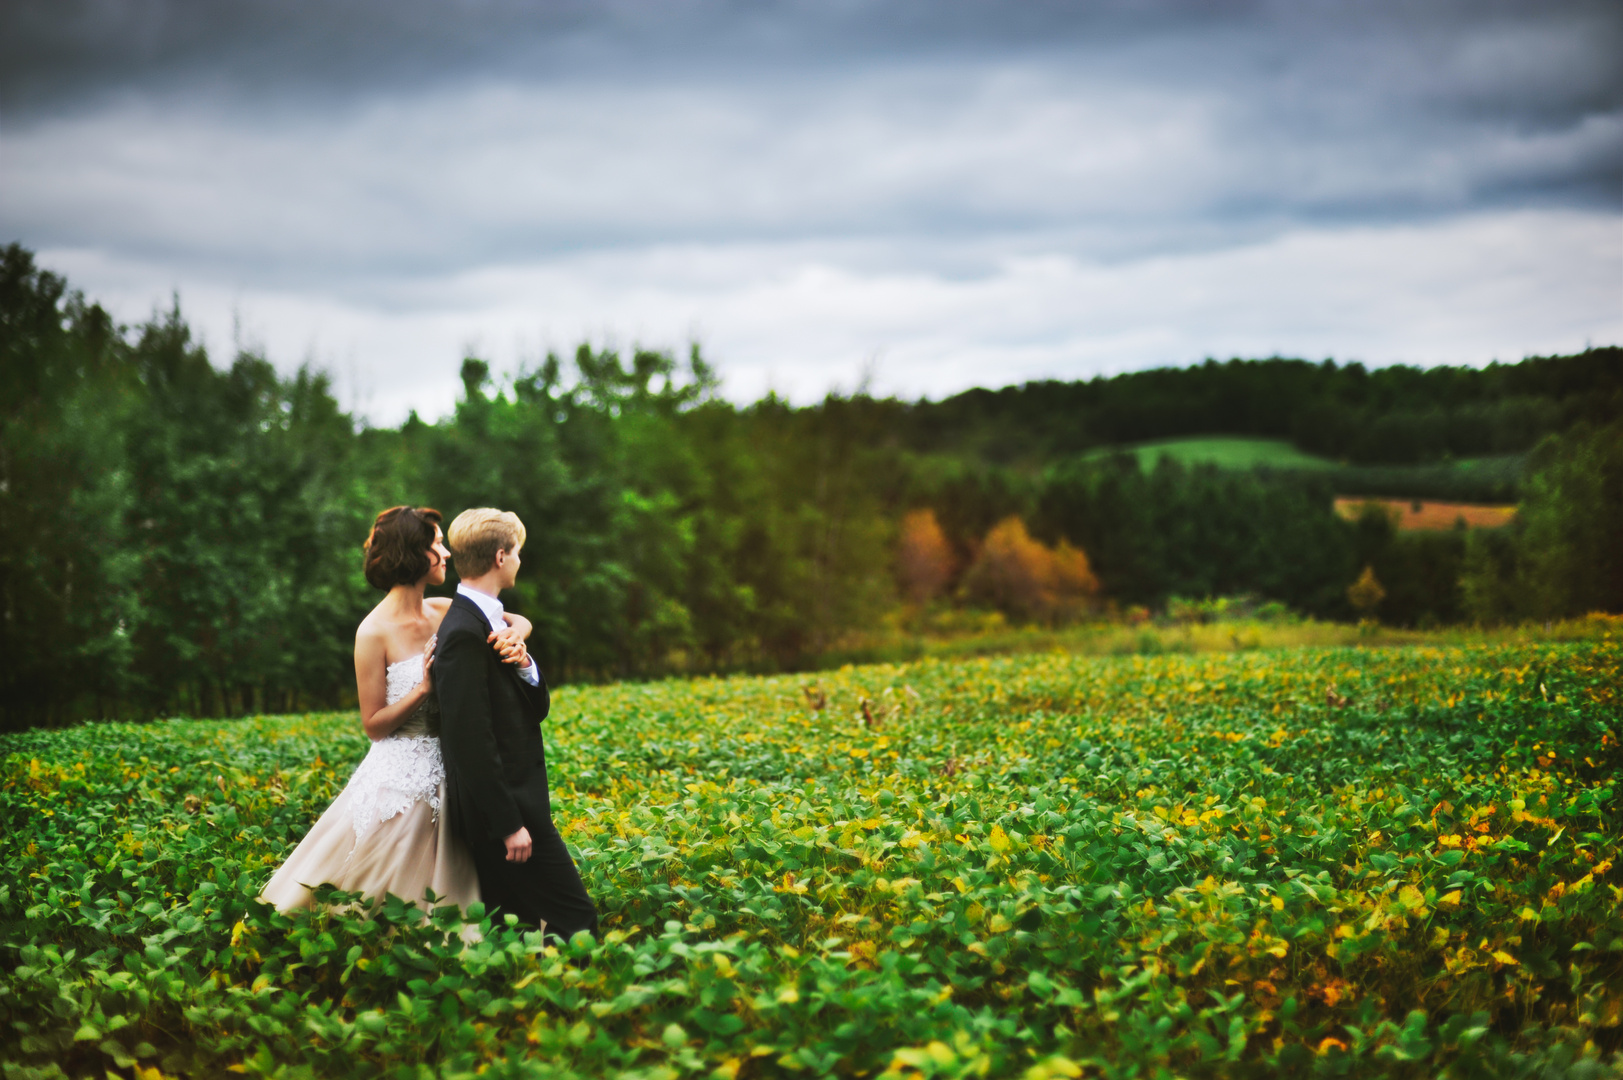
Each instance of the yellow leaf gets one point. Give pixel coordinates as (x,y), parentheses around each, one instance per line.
(236,932)
(999,840)
(1452,899)
(1049,1068)
(1279,904)
(1503,957)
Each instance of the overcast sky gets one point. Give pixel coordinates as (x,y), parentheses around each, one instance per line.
(933,194)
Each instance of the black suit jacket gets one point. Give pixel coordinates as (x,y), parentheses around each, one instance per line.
(490,733)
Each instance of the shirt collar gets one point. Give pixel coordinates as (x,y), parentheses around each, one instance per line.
(489,606)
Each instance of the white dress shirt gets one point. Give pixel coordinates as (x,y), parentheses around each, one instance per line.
(496,615)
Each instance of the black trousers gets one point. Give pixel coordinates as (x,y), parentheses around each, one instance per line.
(544,888)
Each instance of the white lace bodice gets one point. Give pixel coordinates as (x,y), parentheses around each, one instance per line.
(404,766)
(401,677)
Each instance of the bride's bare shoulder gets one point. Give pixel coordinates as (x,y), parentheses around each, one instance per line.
(435,608)
(373,628)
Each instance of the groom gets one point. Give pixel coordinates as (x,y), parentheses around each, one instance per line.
(490,735)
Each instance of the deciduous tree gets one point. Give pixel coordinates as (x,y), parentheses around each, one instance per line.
(923,557)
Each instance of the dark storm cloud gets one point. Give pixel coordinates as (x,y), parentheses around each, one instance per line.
(1419,78)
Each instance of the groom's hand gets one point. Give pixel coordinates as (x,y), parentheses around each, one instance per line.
(518,846)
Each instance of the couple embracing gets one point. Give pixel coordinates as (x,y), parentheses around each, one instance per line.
(452,796)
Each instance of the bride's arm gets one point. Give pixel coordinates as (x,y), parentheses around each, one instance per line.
(509,642)
(372,685)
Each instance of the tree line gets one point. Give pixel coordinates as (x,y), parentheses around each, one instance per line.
(178,537)
(1397,415)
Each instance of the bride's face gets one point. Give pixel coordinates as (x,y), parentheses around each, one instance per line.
(438,556)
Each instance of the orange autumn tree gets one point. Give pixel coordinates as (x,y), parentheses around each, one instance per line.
(923,557)
(1026,579)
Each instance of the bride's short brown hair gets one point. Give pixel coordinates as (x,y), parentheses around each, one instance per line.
(397,548)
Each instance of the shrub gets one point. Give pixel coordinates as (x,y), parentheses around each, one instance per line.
(1366,593)
(923,557)
(1026,579)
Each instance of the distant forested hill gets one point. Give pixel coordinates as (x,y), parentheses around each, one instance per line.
(1349,413)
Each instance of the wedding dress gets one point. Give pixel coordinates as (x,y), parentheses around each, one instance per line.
(385,832)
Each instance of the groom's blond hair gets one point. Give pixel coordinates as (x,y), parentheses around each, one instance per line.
(476,535)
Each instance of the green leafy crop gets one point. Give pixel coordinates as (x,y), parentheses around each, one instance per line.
(1336,862)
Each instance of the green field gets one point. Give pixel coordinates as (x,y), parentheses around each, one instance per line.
(1376,862)
(1236,452)
(1224,451)
(1480,479)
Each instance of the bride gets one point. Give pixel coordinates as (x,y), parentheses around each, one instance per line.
(385,832)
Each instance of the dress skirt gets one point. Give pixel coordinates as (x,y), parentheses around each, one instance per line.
(404,854)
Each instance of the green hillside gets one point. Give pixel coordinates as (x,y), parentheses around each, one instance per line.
(1491,478)
(1227,451)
